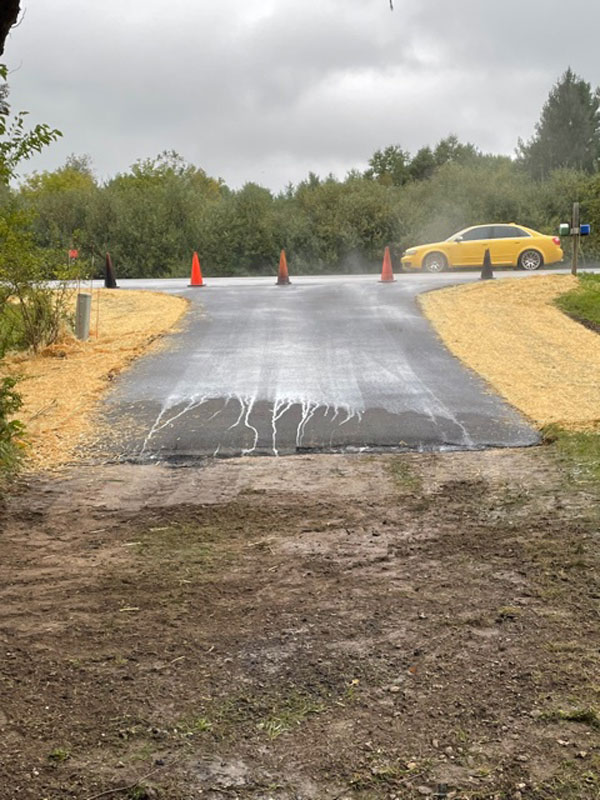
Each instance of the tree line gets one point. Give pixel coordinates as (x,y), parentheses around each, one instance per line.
(151,217)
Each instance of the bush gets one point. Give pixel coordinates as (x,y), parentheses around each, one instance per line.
(33,309)
(11,430)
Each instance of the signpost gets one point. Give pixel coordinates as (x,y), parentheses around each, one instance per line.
(576,230)
(575,234)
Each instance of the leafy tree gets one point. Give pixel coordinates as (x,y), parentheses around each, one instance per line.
(451,151)
(423,165)
(568,132)
(151,217)
(389,166)
(16,143)
(62,202)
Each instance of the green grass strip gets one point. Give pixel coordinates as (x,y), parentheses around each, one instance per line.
(583,303)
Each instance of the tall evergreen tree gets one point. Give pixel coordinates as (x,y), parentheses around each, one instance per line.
(568,133)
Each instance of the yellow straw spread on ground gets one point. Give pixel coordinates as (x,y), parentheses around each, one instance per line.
(509,331)
(64,383)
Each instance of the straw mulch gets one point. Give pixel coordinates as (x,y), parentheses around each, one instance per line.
(541,361)
(63,385)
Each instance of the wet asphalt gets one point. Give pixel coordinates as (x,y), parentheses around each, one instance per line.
(325,364)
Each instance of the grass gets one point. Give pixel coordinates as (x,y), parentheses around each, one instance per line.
(583,303)
(291,712)
(270,714)
(585,715)
(190,547)
(579,452)
(403,475)
(141,791)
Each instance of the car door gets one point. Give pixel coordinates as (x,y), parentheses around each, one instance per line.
(472,245)
(506,244)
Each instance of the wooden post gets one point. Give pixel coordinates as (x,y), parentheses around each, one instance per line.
(575,233)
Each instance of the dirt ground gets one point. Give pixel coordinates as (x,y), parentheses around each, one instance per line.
(312,627)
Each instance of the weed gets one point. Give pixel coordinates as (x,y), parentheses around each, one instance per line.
(58,755)
(141,792)
(588,716)
(508,613)
(571,784)
(200,725)
(403,475)
(461,735)
(289,714)
(378,774)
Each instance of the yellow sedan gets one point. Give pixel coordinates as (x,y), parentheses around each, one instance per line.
(509,245)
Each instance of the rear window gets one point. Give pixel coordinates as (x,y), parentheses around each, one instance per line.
(508,232)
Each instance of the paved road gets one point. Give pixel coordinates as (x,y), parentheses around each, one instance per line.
(324,364)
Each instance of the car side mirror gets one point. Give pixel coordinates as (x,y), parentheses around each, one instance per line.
(458,239)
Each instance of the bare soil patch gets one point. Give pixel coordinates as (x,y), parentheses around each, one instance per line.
(539,359)
(306,627)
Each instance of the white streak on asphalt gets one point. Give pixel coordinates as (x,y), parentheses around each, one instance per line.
(157,424)
(239,419)
(277,414)
(308,410)
(250,405)
(350,414)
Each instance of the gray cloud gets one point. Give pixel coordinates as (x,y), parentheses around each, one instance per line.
(267,90)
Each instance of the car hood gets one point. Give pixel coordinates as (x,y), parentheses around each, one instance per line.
(428,244)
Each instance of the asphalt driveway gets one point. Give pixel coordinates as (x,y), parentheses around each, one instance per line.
(343,363)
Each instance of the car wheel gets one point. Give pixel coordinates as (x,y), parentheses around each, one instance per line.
(435,262)
(531,259)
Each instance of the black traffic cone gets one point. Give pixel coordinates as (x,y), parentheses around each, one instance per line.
(110,282)
(486,271)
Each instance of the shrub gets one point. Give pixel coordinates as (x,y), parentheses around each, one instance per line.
(11,430)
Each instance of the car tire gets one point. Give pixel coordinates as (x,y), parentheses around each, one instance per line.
(531,260)
(435,262)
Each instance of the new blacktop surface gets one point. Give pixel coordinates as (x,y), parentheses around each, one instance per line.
(328,363)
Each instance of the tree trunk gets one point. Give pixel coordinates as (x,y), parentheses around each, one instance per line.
(9,11)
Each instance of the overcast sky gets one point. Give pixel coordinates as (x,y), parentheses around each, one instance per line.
(268,90)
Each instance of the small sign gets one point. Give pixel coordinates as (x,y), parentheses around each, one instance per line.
(73,253)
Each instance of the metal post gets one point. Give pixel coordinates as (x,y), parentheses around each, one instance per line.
(82,316)
(575,232)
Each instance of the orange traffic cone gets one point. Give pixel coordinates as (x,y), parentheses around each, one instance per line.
(196,277)
(387,274)
(283,279)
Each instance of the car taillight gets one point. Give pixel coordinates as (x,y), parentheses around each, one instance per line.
(556,241)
